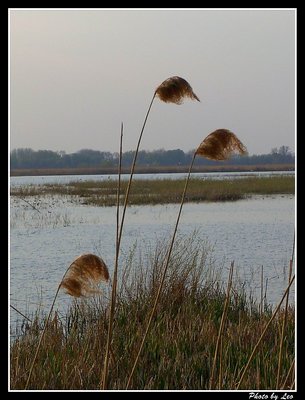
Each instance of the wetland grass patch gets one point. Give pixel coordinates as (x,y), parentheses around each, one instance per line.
(179,350)
(164,191)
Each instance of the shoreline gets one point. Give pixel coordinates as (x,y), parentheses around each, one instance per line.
(151,170)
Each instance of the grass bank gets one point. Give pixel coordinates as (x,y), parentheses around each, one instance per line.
(179,350)
(149,169)
(163,191)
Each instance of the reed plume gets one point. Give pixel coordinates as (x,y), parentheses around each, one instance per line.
(172,90)
(220,142)
(83,276)
(220,145)
(80,279)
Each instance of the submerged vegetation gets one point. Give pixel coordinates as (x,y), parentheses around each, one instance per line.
(179,349)
(164,191)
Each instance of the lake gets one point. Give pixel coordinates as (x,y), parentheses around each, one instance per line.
(253,232)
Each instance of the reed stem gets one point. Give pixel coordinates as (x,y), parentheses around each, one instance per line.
(19,312)
(44,331)
(263,334)
(132,172)
(291,368)
(163,275)
(223,317)
(262,290)
(118,243)
(115,273)
(284,322)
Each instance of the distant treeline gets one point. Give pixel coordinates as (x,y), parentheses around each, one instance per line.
(26,158)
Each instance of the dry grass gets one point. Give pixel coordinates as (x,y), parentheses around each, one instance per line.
(180,347)
(256,347)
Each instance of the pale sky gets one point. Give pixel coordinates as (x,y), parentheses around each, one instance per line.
(75,75)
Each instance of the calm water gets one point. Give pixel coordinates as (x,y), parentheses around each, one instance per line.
(252,232)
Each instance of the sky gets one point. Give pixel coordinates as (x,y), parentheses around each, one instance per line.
(75,75)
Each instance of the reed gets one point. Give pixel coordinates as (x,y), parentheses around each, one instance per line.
(221,327)
(19,312)
(83,276)
(263,334)
(172,90)
(262,290)
(80,279)
(225,143)
(291,369)
(115,273)
(220,145)
(175,90)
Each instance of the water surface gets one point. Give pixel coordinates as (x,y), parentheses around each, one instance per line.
(62,179)
(251,232)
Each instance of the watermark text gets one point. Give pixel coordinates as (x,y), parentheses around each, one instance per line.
(271,396)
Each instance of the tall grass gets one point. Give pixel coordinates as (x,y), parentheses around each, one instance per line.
(284,320)
(172,90)
(220,332)
(254,351)
(164,191)
(79,279)
(115,273)
(218,145)
(179,350)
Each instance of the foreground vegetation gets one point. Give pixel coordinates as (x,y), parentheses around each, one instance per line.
(162,191)
(179,350)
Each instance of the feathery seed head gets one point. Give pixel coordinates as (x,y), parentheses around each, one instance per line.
(174,90)
(84,274)
(220,145)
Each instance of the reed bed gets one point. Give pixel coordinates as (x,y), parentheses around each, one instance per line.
(164,191)
(179,350)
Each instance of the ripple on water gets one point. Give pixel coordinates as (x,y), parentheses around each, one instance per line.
(252,232)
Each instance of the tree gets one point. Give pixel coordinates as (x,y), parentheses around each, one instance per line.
(284,150)
(28,158)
